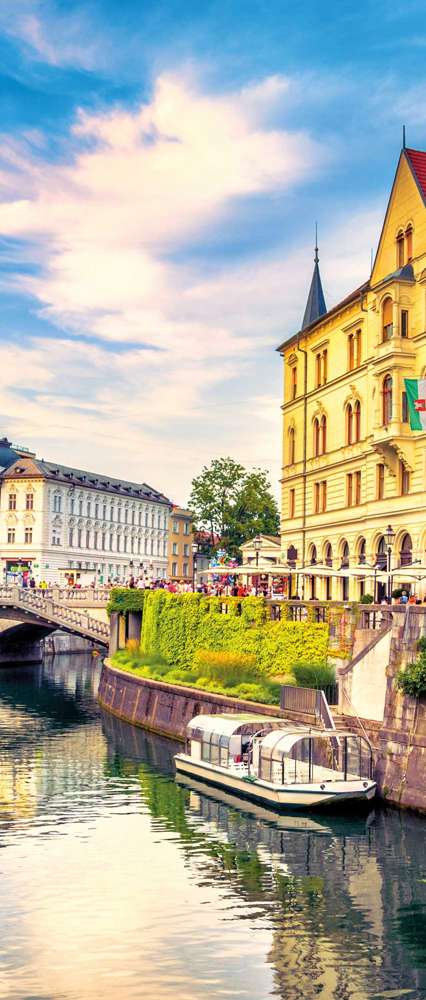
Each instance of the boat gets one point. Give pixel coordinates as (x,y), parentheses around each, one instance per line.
(279,766)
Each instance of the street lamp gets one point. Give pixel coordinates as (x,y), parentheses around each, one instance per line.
(257,545)
(194,563)
(389,537)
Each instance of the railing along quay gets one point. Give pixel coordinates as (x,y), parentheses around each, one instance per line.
(54,612)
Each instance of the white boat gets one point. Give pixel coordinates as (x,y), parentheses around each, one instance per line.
(271,763)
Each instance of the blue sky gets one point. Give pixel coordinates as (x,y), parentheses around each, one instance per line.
(162,166)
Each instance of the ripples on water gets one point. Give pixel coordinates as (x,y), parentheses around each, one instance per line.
(117,882)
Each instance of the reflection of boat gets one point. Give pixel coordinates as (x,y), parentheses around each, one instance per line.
(332,825)
(267,762)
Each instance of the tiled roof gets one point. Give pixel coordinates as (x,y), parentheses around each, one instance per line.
(78,477)
(417,161)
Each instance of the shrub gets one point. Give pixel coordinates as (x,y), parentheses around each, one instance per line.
(366,599)
(227,668)
(421,645)
(126,599)
(412,680)
(314,675)
(397,592)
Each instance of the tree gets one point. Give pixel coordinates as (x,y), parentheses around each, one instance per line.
(236,504)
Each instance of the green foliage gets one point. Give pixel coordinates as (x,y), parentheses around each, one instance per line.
(233,503)
(225,667)
(421,645)
(314,675)
(123,599)
(366,599)
(397,592)
(412,680)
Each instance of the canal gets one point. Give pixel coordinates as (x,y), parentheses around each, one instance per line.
(116,882)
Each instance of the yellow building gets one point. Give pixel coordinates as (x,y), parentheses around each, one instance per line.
(181,538)
(351,464)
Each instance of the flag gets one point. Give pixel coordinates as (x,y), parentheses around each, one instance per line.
(416,400)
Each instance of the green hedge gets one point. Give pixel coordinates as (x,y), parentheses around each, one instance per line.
(122,599)
(177,625)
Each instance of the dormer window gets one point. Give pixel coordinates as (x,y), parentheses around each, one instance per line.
(409,243)
(387,319)
(400,249)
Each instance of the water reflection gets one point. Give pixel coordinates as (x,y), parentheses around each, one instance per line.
(119,881)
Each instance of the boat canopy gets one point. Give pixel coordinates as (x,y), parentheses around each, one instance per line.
(203,726)
(283,742)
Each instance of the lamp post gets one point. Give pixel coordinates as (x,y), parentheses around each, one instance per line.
(257,545)
(389,540)
(194,563)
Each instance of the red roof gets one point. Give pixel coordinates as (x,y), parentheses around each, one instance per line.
(417,161)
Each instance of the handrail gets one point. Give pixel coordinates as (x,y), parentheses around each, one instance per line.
(53,611)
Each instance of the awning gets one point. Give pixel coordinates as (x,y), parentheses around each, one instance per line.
(226,725)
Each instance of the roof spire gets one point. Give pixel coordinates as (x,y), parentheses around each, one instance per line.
(315,306)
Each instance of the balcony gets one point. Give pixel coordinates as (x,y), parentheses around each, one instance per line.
(394,444)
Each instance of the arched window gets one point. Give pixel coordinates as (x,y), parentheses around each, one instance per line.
(361,551)
(328,554)
(323,435)
(291,446)
(387,319)
(313,555)
(387,400)
(409,243)
(345,555)
(400,249)
(381,557)
(349,424)
(357,421)
(406,551)
(316,427)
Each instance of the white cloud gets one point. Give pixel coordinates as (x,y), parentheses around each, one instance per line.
(52,37)
(107,230)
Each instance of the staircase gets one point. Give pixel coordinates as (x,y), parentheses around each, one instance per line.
(34,604)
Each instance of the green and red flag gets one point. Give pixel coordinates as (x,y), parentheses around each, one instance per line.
(416,400)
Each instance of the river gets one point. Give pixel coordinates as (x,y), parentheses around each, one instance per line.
(117,882)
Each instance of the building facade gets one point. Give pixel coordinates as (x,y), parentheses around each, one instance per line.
(60,524)
(351,464)
(181,539)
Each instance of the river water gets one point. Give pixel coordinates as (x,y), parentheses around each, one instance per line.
(117,882)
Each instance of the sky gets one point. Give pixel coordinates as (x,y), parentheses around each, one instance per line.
(162,167)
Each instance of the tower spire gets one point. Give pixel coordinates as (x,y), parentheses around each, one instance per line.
(315,306)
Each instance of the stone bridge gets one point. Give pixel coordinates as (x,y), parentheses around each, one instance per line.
(33,614)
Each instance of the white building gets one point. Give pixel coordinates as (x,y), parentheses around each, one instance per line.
(59,523)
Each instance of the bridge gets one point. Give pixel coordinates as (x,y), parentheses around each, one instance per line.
(33,614)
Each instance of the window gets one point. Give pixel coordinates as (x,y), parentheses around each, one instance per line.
(118,513)
(96,510)
(133,515)
(357,487)
(104,511)
(29,501)
(323,435)
(186,550)
(291,503)
(404,479)
(349,422)
(409,243)
(345,555)
(186,528)
(146,519)
(362,556)
(323,495)
(125,544)
(387,319)
(118,543)
(126,515)
(404,322)
(313,555)
(79,538)
(11,536)
(103,540)
(111,541)
(316,427)
(175,528)
(406,551)
(174,569)
(71,538)
(174,549)
(324,366)
(185,569)
(318,369)
(357,421)
(152,520)
(72,505)
(404,409)
(380,482)
(87,539)
(400,249)
(291,446)
(95,540)
(351,352)
(316,498)
(328,555)
(349,489)
(28,536)
(294,382)
(387,400)
(12,501)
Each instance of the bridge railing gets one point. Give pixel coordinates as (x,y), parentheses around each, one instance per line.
(42,603)
(86,595)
